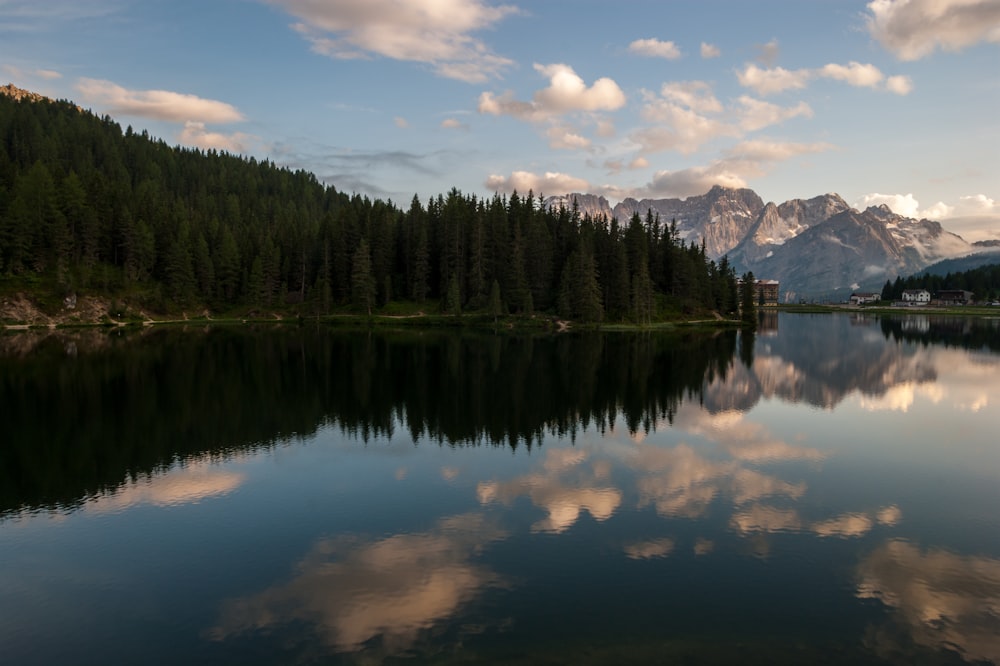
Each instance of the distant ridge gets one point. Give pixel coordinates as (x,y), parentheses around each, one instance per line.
(20,94)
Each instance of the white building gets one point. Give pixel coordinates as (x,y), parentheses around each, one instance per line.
(916,296)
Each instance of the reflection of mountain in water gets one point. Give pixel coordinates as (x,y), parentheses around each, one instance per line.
(78,422)
(827,358)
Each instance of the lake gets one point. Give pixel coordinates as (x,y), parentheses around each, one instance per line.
(823,492)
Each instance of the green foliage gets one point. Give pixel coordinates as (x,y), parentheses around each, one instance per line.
(93,208)
(983,282)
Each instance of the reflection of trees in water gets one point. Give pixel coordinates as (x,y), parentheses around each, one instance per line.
(965,332)
(79,423)
(820,360)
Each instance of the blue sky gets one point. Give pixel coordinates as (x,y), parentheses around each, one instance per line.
(882,101)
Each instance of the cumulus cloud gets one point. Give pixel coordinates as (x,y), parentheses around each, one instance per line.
(156,104)
(710,50)
(771,81)
(681,117)
(861,75)
(453,123)
(693,180)
(696,95)
(654,48)
(439,34)
(755,114)
(913,29)
(906,205)
(900,85)
(854,73)
(566,138)
(523,181)
(566,93)
(195,134)
(762,150)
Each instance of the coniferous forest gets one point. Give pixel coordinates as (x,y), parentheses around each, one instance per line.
(88,208)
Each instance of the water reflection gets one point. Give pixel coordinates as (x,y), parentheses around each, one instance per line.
(351,590)
(439,488)
(942,599)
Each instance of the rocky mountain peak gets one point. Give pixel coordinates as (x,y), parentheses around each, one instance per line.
(20,94)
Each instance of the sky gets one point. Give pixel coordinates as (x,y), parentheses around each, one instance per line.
(880,101)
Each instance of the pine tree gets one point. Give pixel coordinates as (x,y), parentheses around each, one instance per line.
(362,280)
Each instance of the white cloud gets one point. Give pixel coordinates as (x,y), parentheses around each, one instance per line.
(901,204)
(566,93)
(907,205)
(654,48)
(195,134)
(696,95)
(710,50)
(679,120)
(862,75)
(770,81)
(156,104)
(605,128)
(978,204)
(453,123)
(774,151)
(638,163)
(566,138)
(854,73)
(549,183)
(756,114)
(913,29)
(692,181)
(901,85)
(400,122)
(17,73)
(438,33)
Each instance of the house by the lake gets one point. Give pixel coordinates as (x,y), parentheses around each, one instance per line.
(766,292)
(954,297)
(916,297)
(862,297)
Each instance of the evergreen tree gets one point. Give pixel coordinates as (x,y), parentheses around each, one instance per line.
(362,280)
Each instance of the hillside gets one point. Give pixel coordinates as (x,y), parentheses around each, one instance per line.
(94,212)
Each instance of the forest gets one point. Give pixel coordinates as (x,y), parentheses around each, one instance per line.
(983,282)
(87,208)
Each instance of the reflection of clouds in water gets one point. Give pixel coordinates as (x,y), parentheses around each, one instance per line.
(943,600)
(761,518)
(703,546)
(647,550)
(743,439)
(563,488)
(679,482)
(191,483)
(355,590)
(449,473)
(901,397)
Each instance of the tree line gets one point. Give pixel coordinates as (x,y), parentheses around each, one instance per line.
(983,282)
(97,209)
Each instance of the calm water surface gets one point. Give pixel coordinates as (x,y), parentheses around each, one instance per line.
(826,492)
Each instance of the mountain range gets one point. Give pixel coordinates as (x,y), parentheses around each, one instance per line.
(818,248)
